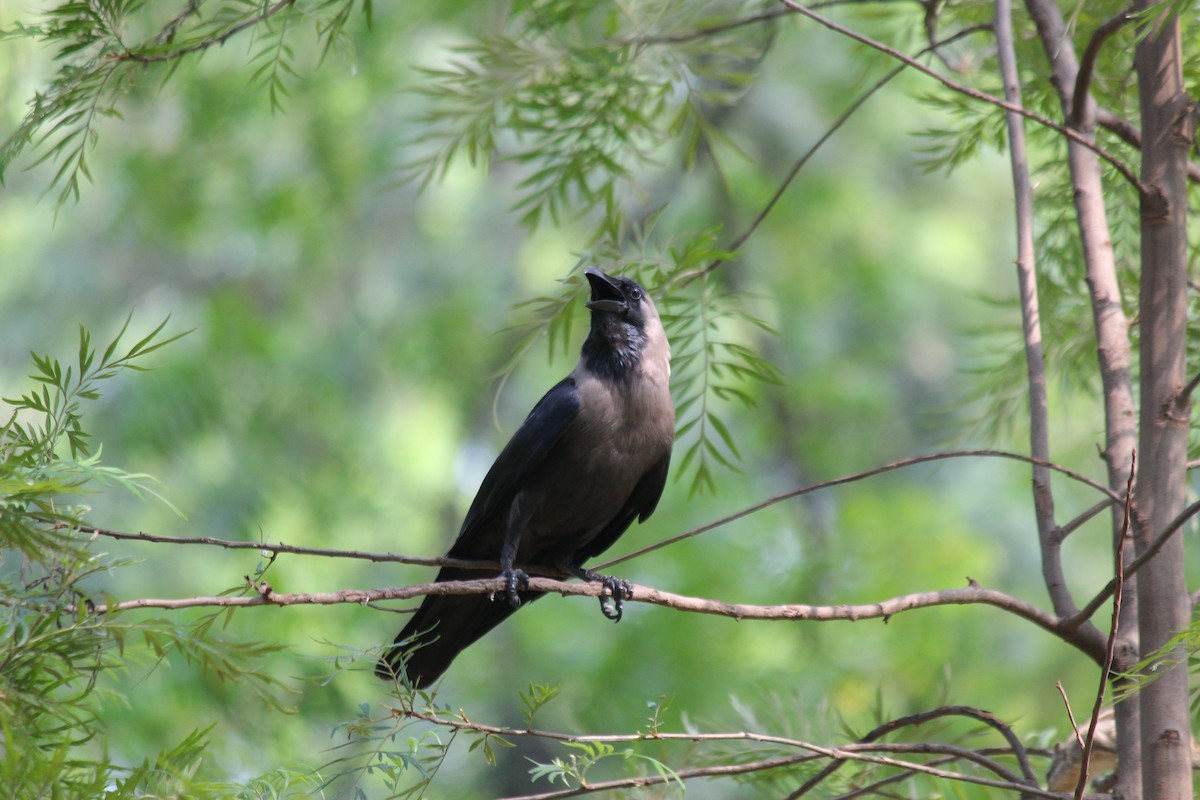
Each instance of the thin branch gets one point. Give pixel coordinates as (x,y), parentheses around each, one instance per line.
(211,41)
(827,752)
(1110,645)
(1087,66)
(918,719)
(1085,516)
(268,547)
(975,94)
(1049,538)
(1129,134)
(712,30)
(804,158)
(973,594)
(857,476)
(1147,554)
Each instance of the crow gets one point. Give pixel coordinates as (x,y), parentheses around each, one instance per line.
(591,457)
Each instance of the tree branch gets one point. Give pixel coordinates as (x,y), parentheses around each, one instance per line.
(1083,78)
(917,719)
(1129,134)
(804,158)
(1049,538)
(857,476)
(973,594)
(859,751)
(975,94)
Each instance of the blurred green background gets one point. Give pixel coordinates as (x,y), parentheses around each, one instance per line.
(339,390)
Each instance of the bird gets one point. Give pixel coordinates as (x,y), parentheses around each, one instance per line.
(591,457)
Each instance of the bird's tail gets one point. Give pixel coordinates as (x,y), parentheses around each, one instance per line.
(443,627)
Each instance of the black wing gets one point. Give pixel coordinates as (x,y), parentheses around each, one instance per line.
(641,504)
(480,534)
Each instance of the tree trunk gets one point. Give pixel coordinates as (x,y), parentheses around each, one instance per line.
(1164,607)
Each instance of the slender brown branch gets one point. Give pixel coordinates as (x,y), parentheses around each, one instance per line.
(211,41)
(1110,645)
(857,476)
(975,94)
(1049,538)
(1084,516)
(920,718)
(769,15)
(1134,565)
(1129,134)
(885,609)
(290,549)
(1087,66)
(807,155)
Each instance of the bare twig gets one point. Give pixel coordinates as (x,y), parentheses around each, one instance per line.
(857,476)
(1014,743)
(863,750)
(1129,134)
(1083,78)
(1110,645)
(961,88)
(804,158)
(268,547)
(770,15)
(1136,564)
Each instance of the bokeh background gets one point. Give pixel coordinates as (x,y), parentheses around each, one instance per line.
(339,388)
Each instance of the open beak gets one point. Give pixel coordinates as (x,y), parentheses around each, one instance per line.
(606,294)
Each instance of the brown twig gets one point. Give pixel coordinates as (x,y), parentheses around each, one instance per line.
(1087,66)
(857,476)
(885,609)
(1137,563)
(1014,743)
(1110,645)
(807,155)
(860,751)
(975,94)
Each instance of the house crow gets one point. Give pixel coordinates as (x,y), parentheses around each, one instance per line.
(591,456)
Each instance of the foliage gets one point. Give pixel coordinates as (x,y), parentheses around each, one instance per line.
(56,653)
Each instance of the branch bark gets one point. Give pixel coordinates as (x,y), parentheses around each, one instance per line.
(1113,348)
(1165,608)
(973,594)
(1039,427)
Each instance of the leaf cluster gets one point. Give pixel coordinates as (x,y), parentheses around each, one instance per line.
(582,99)
(56,653)
(102,53)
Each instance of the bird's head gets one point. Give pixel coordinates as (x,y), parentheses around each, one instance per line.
(625,325)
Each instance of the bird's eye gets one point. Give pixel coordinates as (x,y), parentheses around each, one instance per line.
(635,294)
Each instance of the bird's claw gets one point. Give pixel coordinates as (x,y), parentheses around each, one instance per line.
(512,579)
(612,605)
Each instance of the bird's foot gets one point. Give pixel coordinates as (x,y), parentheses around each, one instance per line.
(612,606)
(512,579)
